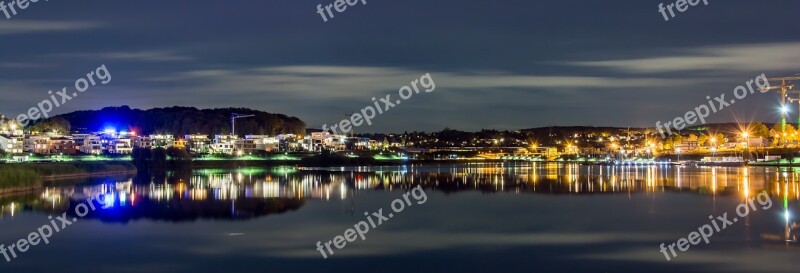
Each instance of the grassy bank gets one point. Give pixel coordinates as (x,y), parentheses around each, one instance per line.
(12,176)
(31,175)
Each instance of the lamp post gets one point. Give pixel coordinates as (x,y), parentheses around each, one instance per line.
(678,151)
(746,137)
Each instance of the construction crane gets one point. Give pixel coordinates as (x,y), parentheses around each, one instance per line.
(234,117)
(796,98)
(784,88)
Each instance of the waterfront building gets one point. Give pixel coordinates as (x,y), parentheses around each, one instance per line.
(36,144)
(265,143)
(162,141)
(198,143)
(143,142)
(120,146)
(92,144)
(12,144)
(62,146)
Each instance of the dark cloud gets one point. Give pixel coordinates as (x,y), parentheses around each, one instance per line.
(500,64)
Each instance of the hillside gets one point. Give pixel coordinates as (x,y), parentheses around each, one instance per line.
(173,120)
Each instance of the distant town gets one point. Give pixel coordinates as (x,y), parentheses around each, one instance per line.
(717,143)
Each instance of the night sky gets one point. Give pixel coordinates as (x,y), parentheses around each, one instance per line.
(499,64)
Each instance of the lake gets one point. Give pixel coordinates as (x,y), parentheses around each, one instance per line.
(478,217)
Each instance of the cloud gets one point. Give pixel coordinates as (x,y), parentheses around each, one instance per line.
(29,26)
(736,58)
(24,65)
(353,81)
(149,56)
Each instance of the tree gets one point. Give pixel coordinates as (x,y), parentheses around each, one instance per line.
(758,129)
(56,124)
(711,139)
(141,156)
(180,154)
(159,157)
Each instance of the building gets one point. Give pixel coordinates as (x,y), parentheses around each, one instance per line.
(162,141)
(79,138)
(265,143)
(289,142)
(36,145)
(244,146)
(757,142)
(12,144)
(92,145)
(224,144)
(688,146)
(120,146)
(180,143)
(144,142)
(198,143)
(62,146)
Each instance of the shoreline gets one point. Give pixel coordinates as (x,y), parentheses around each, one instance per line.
(11,191)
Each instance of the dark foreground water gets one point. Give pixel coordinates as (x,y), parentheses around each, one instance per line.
(469,218)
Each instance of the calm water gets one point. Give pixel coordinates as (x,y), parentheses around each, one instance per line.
(477,218)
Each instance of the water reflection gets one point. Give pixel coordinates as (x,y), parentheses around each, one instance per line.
(241,194)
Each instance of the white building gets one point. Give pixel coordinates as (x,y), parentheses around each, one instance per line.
(143,142)
(36,144)
(120,146)
(92,145)
(12,144)
(224,144)
(198,143)
(162,141)
(79,138)
(265,143)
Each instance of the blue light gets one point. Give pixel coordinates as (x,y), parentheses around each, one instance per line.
(108,200)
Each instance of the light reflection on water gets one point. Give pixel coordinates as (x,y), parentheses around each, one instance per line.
(342,182)
(247,196)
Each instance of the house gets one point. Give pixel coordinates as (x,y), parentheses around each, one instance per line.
(62,146)
(92,144)
(265,143)
(120,146)
(143,142)
(289,142)
(757,142)
(162,141)
(36,144)
(198,143)
(224,144)
(79,138)
(12,144)
(688,145)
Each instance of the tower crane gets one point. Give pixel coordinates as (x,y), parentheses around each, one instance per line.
(234,117)
(796,98)
(783,89)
